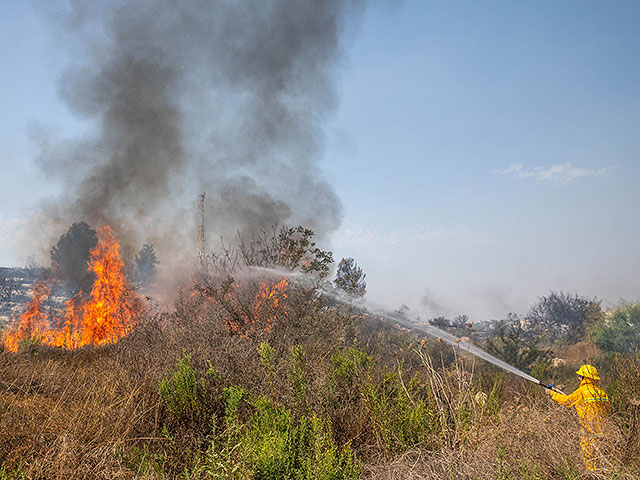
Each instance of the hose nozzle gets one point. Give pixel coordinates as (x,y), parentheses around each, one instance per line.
(550,386)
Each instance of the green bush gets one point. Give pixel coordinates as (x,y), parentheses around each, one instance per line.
(180,391)
(298,379)
(279,446)
(620,330)
(401,413)
(349,365)
(273,444)
(146,463)
(266,353)
(224,457)
(325,461)
(7,474)
(504,472)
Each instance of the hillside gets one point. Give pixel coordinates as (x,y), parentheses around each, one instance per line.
(241,382)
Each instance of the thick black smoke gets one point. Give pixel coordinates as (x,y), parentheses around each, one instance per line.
(226,97)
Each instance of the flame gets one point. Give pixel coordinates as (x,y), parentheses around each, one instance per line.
(108,314)
(112,309)
(246,314)
(269,299)
(32,323)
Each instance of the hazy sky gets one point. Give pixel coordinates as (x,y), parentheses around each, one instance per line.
(485,152)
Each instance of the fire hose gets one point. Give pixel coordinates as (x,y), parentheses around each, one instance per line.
(550,386)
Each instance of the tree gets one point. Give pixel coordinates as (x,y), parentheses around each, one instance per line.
(442,323)
(146,264)
(290,248)
(563,315)
(462,325)
(295,250)
(70,256)
(620,330)
(266,299)
(350,278)
(515,345)
(8,286)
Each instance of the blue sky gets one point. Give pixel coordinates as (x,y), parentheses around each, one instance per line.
(485,152)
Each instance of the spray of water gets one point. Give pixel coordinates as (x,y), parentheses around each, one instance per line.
(463,343)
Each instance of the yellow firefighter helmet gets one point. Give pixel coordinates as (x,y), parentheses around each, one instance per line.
(588,371)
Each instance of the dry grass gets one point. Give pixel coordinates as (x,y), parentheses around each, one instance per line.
(97,412)
(65,415)
(529,439)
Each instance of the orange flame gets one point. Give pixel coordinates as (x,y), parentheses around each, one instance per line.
(247,315)
(107,315)
(269,299)
(32,323)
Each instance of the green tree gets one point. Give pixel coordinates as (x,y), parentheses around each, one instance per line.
(70,256)
(440,322)
(297,250)
(563,315)
(620,329)
(350,278)
(290,247)
(146,265)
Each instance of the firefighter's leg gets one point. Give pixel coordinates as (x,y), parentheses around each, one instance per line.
(588,445)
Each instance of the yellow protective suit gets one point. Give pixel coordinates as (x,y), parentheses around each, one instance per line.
(592,406)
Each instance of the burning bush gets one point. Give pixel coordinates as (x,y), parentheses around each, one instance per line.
(248,307)
(104,316)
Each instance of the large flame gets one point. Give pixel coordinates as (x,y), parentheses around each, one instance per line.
(109,312)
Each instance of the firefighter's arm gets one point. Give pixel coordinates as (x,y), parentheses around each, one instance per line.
(566,400)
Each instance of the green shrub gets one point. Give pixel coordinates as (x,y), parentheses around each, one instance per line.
(11,474)
(521,469)
(541,370)
(620,330)
(324,460)
(529,470)
(270,440)
(504,472)
(493,403)
(349,365)
(180,391)
(280,446)
(266,353)
(273,444)
(401,413)
(569,470)
(147,464)
(298,379)
(224,457)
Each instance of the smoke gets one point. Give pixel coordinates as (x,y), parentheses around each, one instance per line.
(227,97)
(433,304)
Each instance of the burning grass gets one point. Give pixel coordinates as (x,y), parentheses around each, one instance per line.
(314,395)
(106,315)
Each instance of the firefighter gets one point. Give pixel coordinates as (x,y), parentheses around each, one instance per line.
(592,406)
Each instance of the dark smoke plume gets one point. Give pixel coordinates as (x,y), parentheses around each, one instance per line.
(227,97)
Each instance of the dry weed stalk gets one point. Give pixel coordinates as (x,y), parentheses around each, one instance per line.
(452,390)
